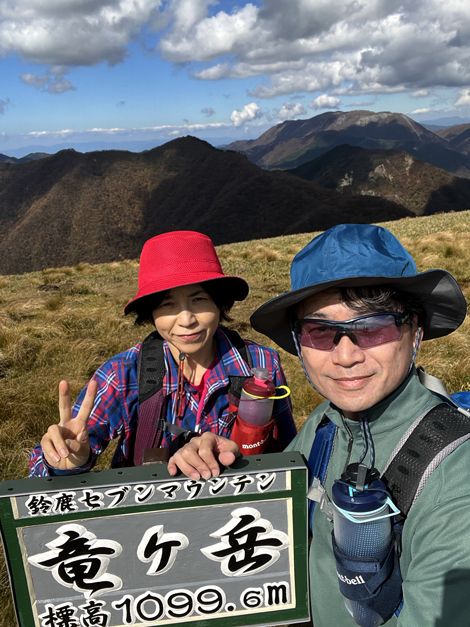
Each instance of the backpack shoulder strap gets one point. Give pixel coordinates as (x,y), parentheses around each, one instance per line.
(151,366)
(421,450)
(322,448)
(319,457)
(433,384)
(236,382)
(152,402)
(423,447)
(239,343)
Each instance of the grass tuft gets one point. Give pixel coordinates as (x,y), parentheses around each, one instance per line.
(55,302)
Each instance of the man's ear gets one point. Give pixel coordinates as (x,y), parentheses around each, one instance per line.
(417,328)
(421,333)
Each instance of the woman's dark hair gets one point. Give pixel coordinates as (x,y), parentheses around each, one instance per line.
(217,290)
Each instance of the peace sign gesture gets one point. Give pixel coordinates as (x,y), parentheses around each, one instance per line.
(67,445)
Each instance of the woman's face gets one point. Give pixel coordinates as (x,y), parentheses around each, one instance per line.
(187,318)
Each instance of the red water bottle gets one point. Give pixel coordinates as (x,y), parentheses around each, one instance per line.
(257,398)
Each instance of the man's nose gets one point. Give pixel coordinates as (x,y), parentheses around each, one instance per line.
(346,352)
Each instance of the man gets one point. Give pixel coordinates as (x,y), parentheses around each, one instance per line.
(356,315)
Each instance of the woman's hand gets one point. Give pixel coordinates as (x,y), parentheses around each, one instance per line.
(201,456)
(67,445)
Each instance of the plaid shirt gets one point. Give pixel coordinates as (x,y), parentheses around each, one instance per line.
(116,410)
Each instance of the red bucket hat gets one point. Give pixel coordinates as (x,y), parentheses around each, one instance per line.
(181,258)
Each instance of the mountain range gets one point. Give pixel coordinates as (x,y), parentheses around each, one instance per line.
(32,156)
(17,154)
(102,206)
(300,176)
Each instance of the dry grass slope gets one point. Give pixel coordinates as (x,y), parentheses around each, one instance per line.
(63,323)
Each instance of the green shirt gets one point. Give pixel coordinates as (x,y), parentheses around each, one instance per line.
(435,560)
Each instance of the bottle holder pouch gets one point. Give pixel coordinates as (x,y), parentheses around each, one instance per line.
(373,582)
(252,439)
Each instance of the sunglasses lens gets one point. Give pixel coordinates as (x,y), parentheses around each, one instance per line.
(376,330)
(314,335)
(366,332)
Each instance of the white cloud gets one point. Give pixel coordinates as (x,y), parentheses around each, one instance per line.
(249,112)
(359,104)
(290,111)
(416,111)
(421,93)
(52,81)
(208,111)
(165,130)
(34,80)
(464,98)
(325,102)
(63,133)
(351,47)
(74,32)
(203,38)
(318,45)
(111,131)
(213,73)
(68,137)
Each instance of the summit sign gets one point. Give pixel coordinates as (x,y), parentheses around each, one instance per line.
(138,547)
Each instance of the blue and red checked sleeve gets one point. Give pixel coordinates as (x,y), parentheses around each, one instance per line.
(114,414)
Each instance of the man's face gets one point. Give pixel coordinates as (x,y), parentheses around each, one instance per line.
(353,378)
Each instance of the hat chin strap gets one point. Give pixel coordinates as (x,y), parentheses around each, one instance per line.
(418,338)
(299,354)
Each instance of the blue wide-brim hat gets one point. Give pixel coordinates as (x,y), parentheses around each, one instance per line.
(358,255)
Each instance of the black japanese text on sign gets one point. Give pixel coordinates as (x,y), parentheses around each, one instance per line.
(138,547)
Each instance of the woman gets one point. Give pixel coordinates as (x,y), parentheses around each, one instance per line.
(184,293)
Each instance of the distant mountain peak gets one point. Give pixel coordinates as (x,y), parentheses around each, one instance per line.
(295,142)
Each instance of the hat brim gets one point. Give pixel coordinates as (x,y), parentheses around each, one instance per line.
(237,287)
(444,304)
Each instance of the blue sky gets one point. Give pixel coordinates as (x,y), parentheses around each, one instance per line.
(116,70)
